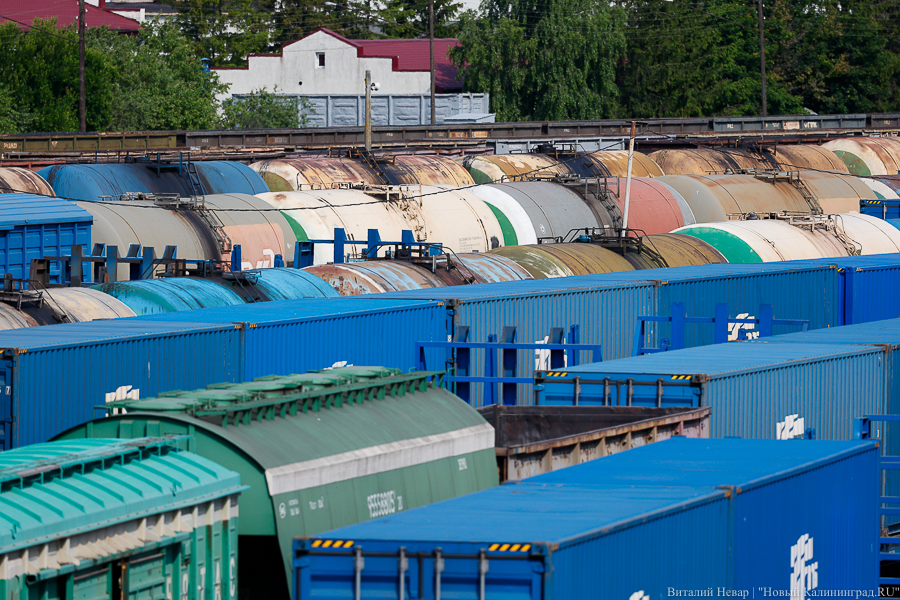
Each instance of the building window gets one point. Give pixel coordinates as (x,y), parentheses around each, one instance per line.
(320,60)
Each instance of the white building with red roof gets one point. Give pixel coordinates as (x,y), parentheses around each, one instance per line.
(330,69)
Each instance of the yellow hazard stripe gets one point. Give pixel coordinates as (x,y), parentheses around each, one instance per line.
(555,374)
(681,376)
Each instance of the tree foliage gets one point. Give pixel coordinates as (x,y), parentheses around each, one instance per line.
(265,110)
(39,71)
(543,59)
(159,82)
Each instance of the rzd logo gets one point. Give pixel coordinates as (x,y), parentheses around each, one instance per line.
(124,392)
(804,574)
(639,595)
(793,426)
(742,331)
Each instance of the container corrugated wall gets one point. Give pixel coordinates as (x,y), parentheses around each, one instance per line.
(55,376)
(295,336)
(828,392)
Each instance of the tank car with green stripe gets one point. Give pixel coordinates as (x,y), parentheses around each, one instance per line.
(319,451)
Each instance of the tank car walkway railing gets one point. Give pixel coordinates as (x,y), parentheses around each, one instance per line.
(304,251)
(725,328)
(888,506)
(501,386)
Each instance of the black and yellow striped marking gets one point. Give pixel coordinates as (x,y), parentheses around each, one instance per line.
(681,376)
(872,201)
(555,374)
(509,548)
(332,544)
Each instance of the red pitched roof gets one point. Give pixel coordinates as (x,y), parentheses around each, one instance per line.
(414,55)
(66,12)
(407,55)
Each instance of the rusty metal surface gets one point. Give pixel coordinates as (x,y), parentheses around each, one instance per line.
(616,162)
(713,197)
(375,277)
(655,207)
(548,261)
(76,305)
(15,179)
(249,222)
(808,157)
(294,173)
(530,440)
(868,155)
(837,193)
(10,318)
(674,250)
(511,167)
(791,157)
(424,169)
(490,268)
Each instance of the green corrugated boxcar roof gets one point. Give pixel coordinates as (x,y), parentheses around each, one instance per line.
(57,489)
(256,416)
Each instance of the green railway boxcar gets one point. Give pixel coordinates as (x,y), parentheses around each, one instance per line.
(319,451)
(106,518)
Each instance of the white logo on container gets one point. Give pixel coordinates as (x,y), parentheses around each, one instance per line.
(734,329)
(542,357)
(804,574)
(124,392)
(793,426)
(639,595)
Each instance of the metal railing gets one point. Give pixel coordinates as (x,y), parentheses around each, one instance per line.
(761,326)
(862,430)
(501,362)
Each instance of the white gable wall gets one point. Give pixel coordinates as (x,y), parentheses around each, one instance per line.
(344,72)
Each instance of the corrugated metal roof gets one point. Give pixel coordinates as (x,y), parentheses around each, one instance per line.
(414,55)
(875,332)
(286,310)
(54,336)
(605,492)
(327,426)
(721,359)
(31,209)
(57,489)
(66,11)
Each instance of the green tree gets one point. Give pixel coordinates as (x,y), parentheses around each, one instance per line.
(159,81)
(265,110)
(409,18)
(40,71)
(542,59)
(226,31)
(12,119)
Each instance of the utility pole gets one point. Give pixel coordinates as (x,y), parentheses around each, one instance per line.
(628,180)
(431,43)
(762,57)
(368,111)
(82,118)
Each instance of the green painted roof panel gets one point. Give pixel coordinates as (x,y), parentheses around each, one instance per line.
(337,420)
(61,488)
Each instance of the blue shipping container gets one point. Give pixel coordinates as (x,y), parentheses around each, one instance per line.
(59,376)
(744,516)
(34,226)
(761,389)
(295,336)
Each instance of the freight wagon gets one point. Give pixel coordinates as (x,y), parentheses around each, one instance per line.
(742,516)
(319,451)
(107,518)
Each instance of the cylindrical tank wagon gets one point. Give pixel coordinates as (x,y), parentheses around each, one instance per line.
(770,240)
(500,168)
(868,155)
(93,182)
(293,174)
(19,180)
(702,161)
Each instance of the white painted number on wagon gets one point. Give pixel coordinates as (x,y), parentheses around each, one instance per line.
(282,510)
(462,464)
(384,503)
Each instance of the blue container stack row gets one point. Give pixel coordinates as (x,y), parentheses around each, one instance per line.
(793,506)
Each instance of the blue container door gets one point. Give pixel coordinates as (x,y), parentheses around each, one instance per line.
(6,408)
